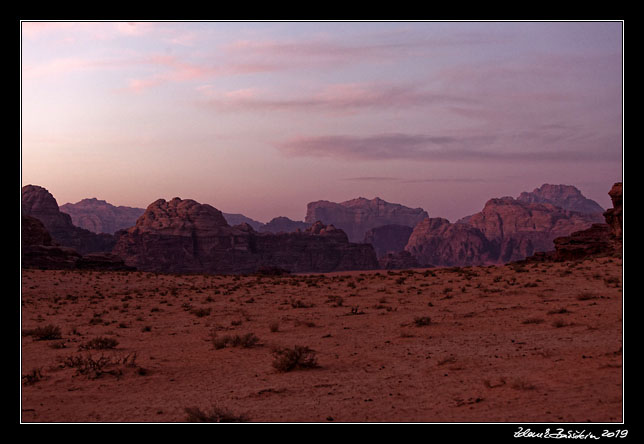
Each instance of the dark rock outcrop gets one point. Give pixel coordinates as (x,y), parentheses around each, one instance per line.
(388,238)
(38,250)
(183,236)
(99,216)
(357,216)
(566,197)
(401,260)
(283,224)
(236,219)
(437,242)
(40,204)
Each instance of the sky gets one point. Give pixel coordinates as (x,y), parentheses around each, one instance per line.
(261,118)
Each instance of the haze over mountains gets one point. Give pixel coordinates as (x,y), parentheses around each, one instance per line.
(182,235)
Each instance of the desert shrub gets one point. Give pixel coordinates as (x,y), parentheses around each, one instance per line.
(94,368)
(245,341)
(533,321)
(298,357)
(274,327)
(200,312)
(215,414)
(46,333)
(99,343)
(422,321)
(32,377)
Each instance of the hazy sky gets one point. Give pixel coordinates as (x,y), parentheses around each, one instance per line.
(261,118)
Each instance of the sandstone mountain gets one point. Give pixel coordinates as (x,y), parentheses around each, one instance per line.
(99,216)
(283,224)
(601,239)
(357,216)
(39,250)
(563,196)
(436,241)
(506,230)
(388,238)
(184,236)
(236,219)
(37,202)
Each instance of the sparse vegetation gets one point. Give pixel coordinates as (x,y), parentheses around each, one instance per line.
(46,333)
(244,341)
(298,357)
(215,414)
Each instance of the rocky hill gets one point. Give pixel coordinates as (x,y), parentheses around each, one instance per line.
(357,216)
(99,216)
(388,238)
(283,224)
(37,202)
(563,196)
(184,236)
(236,219)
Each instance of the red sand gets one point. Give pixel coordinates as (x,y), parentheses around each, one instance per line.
(538,343)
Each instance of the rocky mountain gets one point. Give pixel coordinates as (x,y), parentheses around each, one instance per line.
(37,202)
(518,229)
(388,238)
(283,224)
(357,216)
(99,216)
(39,250)
(236,219)
(563,196)
(436,241)
(601,239)
(184,236)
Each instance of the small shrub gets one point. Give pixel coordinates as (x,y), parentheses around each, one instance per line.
(274,327)
(422,321)
(200,312)
(298,357)
(533,321)
(216,414)
(46,333)
(100,343)
(34,376)
(246,341)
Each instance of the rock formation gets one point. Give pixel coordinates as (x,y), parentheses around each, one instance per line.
(518,229)
(236,219)
(38,250)
(401,260)
(283,225)
(183,236)
(39,203)
(436,241)
(598,240)
(388,238)
(357,216)
(563,196)
(99,216)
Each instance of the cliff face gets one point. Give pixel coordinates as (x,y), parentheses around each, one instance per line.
(357,216)
(189,237)
(566,197)
(388,238)
(99,216)
(283,224)
(598,240)
(436,241)
(37,202)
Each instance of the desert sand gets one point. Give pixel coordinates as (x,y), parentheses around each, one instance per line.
(539,342)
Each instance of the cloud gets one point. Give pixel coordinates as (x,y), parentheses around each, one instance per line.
(422,147)
(337,97)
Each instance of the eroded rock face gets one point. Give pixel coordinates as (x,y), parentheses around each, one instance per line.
(183,236)
(388,238)
(598,240)
(40,204)
(518,229)
(437,242)
(99,216)
(283,224)
(357,216)
(566,197)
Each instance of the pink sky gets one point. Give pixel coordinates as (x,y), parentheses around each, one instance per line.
(261,118)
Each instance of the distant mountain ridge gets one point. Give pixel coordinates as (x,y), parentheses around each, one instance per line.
(100,216)
(357,216)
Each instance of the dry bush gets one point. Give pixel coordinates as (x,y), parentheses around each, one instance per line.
(298,357)
(245,341)
(99,343)
(46,333)
(215,414)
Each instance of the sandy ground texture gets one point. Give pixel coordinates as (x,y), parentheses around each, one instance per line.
(532,343)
